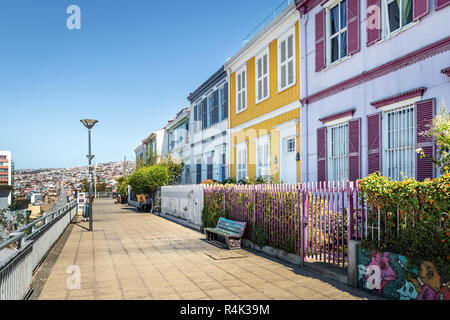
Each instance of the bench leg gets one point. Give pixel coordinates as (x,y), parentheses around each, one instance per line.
(209,235)
(233,243)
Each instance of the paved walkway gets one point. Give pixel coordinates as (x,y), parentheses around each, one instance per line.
(143,256)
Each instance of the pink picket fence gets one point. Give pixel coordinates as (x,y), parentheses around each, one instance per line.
(315,221)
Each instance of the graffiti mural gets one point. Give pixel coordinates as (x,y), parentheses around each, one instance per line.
(388,275)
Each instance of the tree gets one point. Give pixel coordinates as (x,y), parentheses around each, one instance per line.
(84,185)
(101,187)
(122,187)
(174,168)
(151,159)
(440,132)
(145,180)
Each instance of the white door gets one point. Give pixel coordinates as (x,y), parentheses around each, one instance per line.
(288,173)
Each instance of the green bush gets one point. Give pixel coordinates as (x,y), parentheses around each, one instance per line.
(211,217)
(229,180)
(122,187)
(421,231)
(259,236)
(145,180)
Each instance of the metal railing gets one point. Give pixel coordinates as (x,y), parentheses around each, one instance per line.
(31,244)
(282,6)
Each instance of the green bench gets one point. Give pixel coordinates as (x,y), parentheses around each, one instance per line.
(231,230)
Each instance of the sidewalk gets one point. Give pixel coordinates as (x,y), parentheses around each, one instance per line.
(143,256)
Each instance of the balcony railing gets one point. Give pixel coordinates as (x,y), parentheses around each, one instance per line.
(282,6)
(24,250)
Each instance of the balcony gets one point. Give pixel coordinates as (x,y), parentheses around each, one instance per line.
(281,7)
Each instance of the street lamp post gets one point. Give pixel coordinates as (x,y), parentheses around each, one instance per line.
(89,124)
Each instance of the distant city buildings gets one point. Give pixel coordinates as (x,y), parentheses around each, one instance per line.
(40,185)
(5,179)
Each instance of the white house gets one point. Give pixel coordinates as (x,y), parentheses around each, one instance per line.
(208,129)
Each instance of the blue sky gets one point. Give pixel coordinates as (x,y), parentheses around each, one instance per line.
(131,66)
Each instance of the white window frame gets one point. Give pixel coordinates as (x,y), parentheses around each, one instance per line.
(340,160)
(264,77)
(241,91)
(385,19)
(241,173)
(285,37)
(259,143)
(386,158)
(330,5)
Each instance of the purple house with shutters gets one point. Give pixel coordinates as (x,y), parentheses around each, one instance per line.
(373,75)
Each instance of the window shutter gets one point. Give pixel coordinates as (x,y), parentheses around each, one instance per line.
(195,119)
(353,26)
(322,154)
(373,22)
(420,8)
(217,106)
(439,4)
(225,103)
(374,143)
(320,40)
(354,147)
(204,113)
(424,117)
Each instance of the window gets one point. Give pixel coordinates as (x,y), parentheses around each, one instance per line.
(290,145)
(338,152)
(197,119)
(286,61)
(337,32)
(241,160)
(241,92)
(214,107)
(398,143)
(224,101)
(263,156)
(397,14)
(209,169)
(262,76)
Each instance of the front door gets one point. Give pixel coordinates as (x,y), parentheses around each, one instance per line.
(288,173)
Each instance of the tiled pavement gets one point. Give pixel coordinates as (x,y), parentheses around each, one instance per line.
(143,256)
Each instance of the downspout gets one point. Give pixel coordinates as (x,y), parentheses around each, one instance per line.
(304,93)
(229,125)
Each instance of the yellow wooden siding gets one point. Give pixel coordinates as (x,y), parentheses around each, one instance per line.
(265,127)
(276,99)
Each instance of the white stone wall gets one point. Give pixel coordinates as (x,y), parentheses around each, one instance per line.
(183,202)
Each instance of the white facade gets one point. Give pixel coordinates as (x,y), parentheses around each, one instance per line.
(177,142)
(208,129)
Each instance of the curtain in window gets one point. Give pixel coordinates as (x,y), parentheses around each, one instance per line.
(406,6)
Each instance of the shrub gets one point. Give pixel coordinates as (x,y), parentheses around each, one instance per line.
(122,187)
(421,229)
(147,179)
(229,180)
(259,236)
(211,217)
(174,169)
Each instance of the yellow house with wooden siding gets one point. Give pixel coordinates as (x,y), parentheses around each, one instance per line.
(264,93)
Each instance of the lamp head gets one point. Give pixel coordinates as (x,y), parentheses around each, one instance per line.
(88,123)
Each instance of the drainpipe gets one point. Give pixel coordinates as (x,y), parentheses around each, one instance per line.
(304,93)
(229,125)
